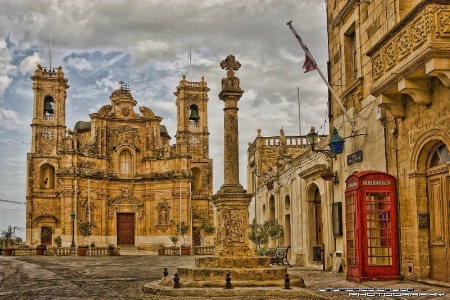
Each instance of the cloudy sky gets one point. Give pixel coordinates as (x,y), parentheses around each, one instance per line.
(147,44)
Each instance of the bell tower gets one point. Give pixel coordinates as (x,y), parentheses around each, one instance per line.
(49,110)
(192,117)
(48,129)
(193,140)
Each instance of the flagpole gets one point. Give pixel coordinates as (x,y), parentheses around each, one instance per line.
(337,98)
(89,215)
(299,112)
(50,52)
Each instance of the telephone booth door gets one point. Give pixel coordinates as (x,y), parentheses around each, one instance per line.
(371,227)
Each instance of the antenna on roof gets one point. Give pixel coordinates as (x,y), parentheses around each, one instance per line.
(190,64)
(50,52)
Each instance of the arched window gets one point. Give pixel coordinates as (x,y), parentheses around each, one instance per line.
(47,176)
(287,202)
(193,116)
(197,183)
(125,162)
(440,156)
(272,207)
(48,106)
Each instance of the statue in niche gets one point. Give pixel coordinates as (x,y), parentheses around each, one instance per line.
(163,216)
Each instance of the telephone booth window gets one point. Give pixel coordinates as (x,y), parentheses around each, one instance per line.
(350,228)
(371,227)
(378,229)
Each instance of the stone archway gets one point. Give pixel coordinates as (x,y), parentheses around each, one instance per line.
(438,195)
(314,219)
(431,160)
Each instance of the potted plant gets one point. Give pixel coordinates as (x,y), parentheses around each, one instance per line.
(205,229)
(175,238)
(111,249)
(8,241)
(85,231)
(161,249)
(328,174)
(182,229)
(58,241)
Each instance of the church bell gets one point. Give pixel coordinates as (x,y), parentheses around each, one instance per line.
(194,115)
(48,108)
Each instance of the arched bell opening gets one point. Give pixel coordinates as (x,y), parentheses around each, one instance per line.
(48,106)
(193,115)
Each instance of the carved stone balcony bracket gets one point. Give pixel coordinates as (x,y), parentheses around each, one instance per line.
(394,103)
(418,89)
(440,68)
(406,58)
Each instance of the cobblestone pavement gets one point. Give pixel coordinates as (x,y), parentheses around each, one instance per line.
(122,277)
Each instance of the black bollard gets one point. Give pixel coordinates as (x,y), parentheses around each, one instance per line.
(176,281)
(165,272)
(287,282)
(228,280)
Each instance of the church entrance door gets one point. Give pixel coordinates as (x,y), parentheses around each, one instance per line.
(125,229)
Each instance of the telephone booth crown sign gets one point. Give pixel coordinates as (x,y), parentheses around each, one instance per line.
(371,227)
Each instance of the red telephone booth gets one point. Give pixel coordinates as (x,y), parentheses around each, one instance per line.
(371,227)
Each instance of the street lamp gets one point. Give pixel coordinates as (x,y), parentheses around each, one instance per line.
(72,216)
(336,143)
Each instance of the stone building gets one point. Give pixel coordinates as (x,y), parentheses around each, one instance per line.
(284,176)
(390,61)
(118,171)
(385,214)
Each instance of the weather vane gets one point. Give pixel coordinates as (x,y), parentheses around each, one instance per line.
(124,86)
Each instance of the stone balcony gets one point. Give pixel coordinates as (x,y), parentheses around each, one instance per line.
(405,60)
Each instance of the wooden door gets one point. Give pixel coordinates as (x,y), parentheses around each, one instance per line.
(439,239)
(46,235)
(125,229)
(318,217)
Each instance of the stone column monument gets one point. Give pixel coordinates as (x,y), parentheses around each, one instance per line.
(232,258)
(231,201)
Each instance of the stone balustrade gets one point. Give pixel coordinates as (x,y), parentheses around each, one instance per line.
(62,251)
(204,250)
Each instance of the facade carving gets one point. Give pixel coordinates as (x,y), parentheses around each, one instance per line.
(119,170)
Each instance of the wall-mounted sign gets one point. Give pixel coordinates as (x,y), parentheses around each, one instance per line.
(376,182)
(354,157)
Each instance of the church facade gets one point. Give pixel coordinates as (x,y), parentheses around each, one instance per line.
(119,171)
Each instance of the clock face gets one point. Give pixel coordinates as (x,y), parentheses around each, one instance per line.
(193,140)
(47,134)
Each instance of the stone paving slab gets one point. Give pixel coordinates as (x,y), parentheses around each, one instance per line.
(123,277)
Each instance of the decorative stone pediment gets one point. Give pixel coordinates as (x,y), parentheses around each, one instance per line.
(313,171)
(126,201)
(46,216)
(124,136)
(146,112)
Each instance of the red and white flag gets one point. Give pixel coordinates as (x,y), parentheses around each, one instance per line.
(309,64)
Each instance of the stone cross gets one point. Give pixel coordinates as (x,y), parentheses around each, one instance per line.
(230,82)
